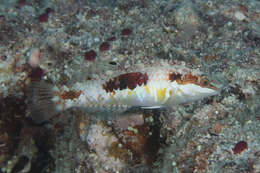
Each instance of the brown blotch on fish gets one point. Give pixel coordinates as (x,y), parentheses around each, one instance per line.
(189,78)
(70,95)
(174,77)
(128,80)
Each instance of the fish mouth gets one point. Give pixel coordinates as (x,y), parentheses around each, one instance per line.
(218,82)
(216,87)
(213,89)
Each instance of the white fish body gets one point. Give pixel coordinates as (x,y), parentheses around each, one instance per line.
(162,84)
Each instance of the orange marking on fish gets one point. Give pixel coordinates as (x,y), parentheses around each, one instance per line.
(70,95)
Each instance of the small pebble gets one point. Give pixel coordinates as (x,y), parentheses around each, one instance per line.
(240,16)
(49,10)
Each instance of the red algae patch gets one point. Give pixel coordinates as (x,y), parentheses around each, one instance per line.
(113,38)
(240,147)
(22,3)
(126,32)
(44,16)
(104,47)
(90,55)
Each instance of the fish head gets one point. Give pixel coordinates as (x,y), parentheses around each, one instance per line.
(192,86)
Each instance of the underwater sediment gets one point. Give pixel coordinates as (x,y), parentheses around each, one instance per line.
(65,42)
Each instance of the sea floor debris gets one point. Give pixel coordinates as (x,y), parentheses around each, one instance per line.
(63,42)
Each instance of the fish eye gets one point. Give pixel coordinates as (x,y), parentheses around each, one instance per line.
(204,82)
(112,63)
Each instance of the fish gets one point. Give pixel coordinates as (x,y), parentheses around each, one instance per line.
(145,85)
